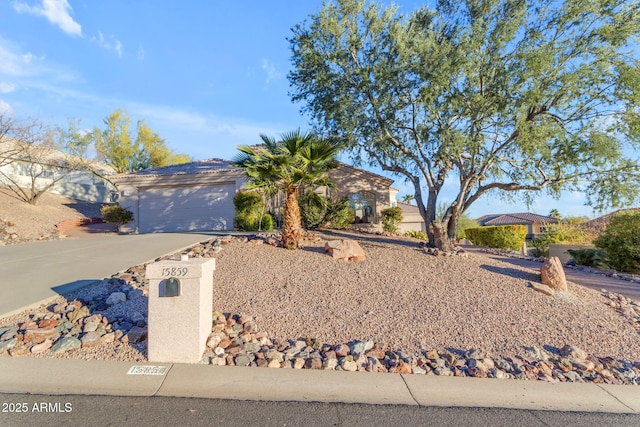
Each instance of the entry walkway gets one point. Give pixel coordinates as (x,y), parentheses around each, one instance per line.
(590,280)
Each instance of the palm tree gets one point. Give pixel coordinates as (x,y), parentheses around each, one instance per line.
(407,198)
(298,159)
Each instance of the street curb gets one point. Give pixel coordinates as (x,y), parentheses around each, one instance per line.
(80,377)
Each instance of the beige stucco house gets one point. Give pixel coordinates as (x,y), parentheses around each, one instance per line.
(535,223)
(198,196)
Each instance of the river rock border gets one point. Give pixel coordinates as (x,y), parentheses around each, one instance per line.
(109,315)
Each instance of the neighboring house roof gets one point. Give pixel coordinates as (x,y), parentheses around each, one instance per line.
(208,166)
(406,208)
(516,218)
(600,223)
(18,151)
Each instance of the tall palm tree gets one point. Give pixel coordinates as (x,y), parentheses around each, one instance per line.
(298,159)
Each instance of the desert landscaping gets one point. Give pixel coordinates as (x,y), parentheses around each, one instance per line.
(402,309)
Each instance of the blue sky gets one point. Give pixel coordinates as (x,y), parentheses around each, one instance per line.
(206,75)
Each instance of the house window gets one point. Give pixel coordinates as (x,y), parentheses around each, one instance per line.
(363,204)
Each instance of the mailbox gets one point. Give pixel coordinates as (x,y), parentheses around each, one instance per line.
(169,288)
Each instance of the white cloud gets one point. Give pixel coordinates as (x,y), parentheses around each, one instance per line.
(110,44)
(15,63)
(5,108)
(7,87)
(270,70)
(56,11)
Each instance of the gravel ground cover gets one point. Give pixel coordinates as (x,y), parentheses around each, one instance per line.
(401,301)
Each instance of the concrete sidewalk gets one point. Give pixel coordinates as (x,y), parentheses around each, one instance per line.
(33,274)
(80,377)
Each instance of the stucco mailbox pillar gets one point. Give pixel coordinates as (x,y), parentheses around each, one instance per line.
(180,309)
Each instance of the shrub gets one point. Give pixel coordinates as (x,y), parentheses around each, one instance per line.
(588,257)
(621,242)
(567,232)
(464,223)
(339,214)
(416,234)
(313,209)
(116,214)
(391,217)
(250,212)
(502,237)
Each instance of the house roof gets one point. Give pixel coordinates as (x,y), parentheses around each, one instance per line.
(208,166)
(515,218)
(601,222)
(408,209)
(211,166)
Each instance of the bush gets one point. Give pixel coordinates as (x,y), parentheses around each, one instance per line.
(588,257)
(621,242)
(567,232)
(502,237)
(391,217)
(416,234)
(116,214)
(250,212)
(339,214)
(313,209)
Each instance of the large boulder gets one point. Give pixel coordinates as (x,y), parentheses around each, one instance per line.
(553,274)
(345,249)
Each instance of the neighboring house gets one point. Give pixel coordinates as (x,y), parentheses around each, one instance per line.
(411,218)
(80,184)
(198,196)
(535,223)
(597,225)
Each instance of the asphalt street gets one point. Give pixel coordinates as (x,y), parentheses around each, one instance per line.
(19,410)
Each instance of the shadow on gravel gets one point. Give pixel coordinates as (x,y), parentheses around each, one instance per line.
(512,272)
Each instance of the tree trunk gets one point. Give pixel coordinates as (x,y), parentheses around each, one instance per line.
(441,238)
(292,227)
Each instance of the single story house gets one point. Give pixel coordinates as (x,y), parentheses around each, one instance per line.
(198,196)
(535,223)
(23,164)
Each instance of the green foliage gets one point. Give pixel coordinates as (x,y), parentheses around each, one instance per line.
(339,214)
(567,232)
(298,159)
(250,212)
(621,241)
(500,96)
(416,234)
(125,152)
(391,217)
(116,214)
(464,223)
(588,257)
(313,209)
(502,237)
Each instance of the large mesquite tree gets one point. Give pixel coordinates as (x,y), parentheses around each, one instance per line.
(514,96)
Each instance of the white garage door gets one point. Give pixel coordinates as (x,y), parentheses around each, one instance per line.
(189,208)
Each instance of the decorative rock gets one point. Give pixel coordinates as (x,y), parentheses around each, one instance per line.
(91,339)
(348,364)
(19,351)
(79,313)
(342,350)
(553,274)
(42,347)
(573,352)
(329,364)
(8,344)
(116,298)
(242,360)
(273,364)
(137,334)
(213,341)
(542,289)
(37,336)
(218,361)
(313,363)
(66,344)
(401,368)
(108,338)
(345,249)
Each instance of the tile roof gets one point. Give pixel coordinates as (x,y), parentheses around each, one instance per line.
(516,218)
(407,208)
(192,168)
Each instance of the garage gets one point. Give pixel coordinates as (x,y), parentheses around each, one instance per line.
(196,196)
(186,208)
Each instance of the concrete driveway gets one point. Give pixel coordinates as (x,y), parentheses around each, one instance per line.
(33,274)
